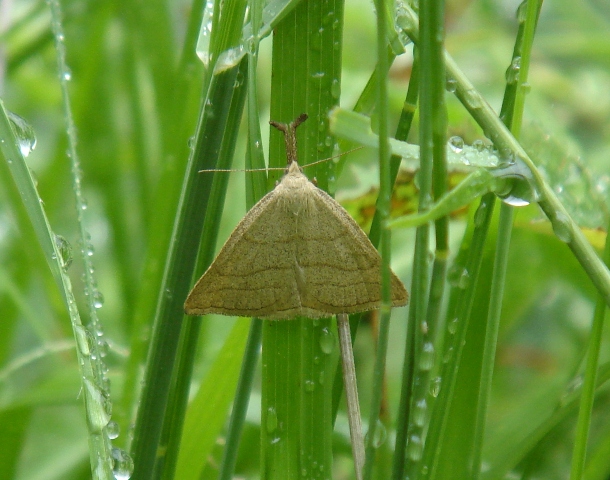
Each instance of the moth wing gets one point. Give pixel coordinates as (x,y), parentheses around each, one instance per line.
(253,272)
(341,267)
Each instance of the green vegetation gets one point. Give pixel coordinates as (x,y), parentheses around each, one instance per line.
(496,369)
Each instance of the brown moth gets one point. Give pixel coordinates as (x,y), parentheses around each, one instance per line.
(297,252)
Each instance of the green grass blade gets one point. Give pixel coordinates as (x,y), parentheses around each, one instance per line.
(205,415)
(563,225)
(433,161)
(179,271)
(512,114)
(97,405)
(182,375)
(383,206)
(296,432)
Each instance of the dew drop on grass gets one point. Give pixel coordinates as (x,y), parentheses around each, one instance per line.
(448,355)
(112,430)
(480,215)
(472,99)
(522,12)
(335,89)
(426,358)
(435,386)
(327,341)
(423,326)
(102,346)
(479,146)
(452,326)
(98,407)
(82,341)
(380,437)
(26,138)
(512,72)
(65,251)
(451,84)
(414,448)
(420,412)
(271,423)
(517,186)
(123,464)
(459,277)
(561,227)
(456,144)
(98,299)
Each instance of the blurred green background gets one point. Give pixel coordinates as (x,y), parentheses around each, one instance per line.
(135,108)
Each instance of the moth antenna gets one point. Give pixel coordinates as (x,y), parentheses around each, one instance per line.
(290,136)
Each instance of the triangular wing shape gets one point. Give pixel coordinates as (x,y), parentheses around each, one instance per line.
(340,266)
(297,252)
(253,272)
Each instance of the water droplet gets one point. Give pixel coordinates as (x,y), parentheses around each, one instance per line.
(479,145)
(414,448)
(239,79)
(570,389)
(98,299)
(26,138)
(123,464)
(452,326)
(420,412)
(451,84)
(82,340)
(459,277)
(522,12)
(67,75)
(472,99)
(456,144)
(106,384)
(112,430)
(515,201)
(448,355)
(310,386)
(512,72)
(327,341)
(229,59)
(65,251)
(480,215)
(561,227)
(526,88)
(98,408)
(102,347)
(335,89)
(271,420)
(515,184)
(426,358)
(435,386)
(380,437)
